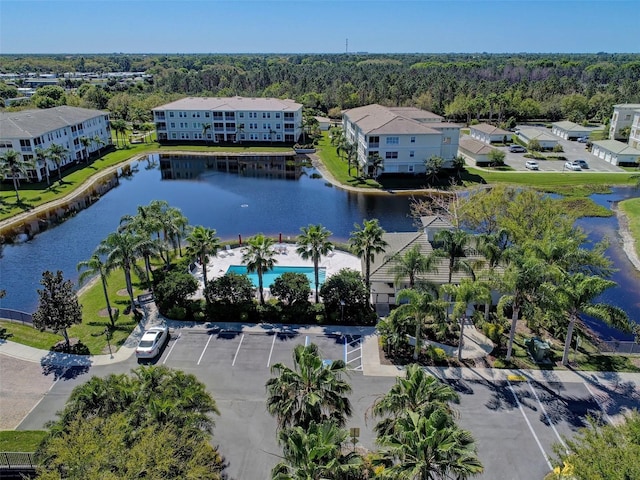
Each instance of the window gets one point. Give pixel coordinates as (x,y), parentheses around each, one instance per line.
(171,114)
(413,139)
(241,114)
(173,125)
(412,154)
(446,140)
(174,135)
(410,168)
(207,114)
(393,140)
(277,114)
(391,155)
(278,126)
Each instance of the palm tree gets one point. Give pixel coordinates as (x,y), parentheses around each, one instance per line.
(206,127)
(98,141)
(350,152)
(239,132)
(309,392)
(314,453)
(429,448)
(313,244)
(521,279)
(86,143)
(120,127)
(412,264)
(57,153)
(366,242)
(376,162)
(493,246)
(258,257)
(92,267)
(575,293)
(465,293)
(121,250)
(202,241)
(13,164)
(41,156)
(453,244)
(417,392)
(421,305)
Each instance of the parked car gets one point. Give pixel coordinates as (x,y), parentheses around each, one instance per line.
(517,149)
(583,139)
(531,165)
(572,166)
(583,163)
(152,342)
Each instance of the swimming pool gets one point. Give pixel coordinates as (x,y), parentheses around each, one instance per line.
(270,276)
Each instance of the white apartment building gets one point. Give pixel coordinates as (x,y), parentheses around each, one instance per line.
(634,137)
(30,130)
(404,137)
(623,116)
(229,120)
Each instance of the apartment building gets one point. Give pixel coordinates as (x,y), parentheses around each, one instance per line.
(29,131)
(404,137)
(623,116)
(229,120)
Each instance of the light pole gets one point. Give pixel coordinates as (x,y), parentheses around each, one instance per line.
(107,332)
(341,311)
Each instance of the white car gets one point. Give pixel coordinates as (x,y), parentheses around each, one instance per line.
(575,166)
(152,342)
(532,165)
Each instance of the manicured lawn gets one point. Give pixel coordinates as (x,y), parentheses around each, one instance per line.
(27,335)
(21,440)
(339,168)
(632,208)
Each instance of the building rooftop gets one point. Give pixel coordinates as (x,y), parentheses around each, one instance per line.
(378,120)
(232,104)
(490,129)
(474,146)
(531,133)
(33,123)
(617,147)
(571,126)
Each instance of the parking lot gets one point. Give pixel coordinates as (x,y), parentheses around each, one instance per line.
(255,350)
(573,150)
(515,420)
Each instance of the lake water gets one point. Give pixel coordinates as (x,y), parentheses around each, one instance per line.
(243,205)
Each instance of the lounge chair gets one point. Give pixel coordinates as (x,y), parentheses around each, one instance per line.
(229,251)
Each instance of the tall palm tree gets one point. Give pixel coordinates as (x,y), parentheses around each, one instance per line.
(465,293)
(313,243)
(121,250)
(98,141)
(376,162)
(349,151)
(57,154)
(309,392)
(520,280)
(418,392)
(120,127)
(86,143)
(41,156)
(206,127)
(12,164)
(239,132)
(453,244)
(429,448)
(258,256)
(412,264)
(366,242)
(421,305)
(576,293)
(92,267)
(314,453)
(493,246)
(202,241)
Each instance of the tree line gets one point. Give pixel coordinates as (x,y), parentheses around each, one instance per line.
(461,86)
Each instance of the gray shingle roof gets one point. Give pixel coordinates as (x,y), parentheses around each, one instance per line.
(571,126)
(490,129)
(231,104)
(617,147)
(378,120)
(474,146)
(33,123)
(531,133)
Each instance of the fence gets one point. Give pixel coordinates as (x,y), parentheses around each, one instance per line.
(17,460)
(620,347)
(16,315)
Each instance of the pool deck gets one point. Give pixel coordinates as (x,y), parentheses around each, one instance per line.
(218,265)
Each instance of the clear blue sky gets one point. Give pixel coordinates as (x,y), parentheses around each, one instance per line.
(318,26)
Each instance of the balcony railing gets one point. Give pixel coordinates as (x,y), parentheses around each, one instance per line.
(25,149)
(374,145)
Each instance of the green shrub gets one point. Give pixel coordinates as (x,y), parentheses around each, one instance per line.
(436,354)
(177,313)
(493,331)
(558,148)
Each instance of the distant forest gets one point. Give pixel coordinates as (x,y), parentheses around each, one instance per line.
(462,87)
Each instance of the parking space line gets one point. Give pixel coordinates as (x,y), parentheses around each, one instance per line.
(205,349)
(271,351)
(604,412)
(237,350)
(515,396)
(345,349)
(171,349)
(544,410)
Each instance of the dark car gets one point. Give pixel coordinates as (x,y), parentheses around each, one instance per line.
(583,163)
(517,149)
(583,139)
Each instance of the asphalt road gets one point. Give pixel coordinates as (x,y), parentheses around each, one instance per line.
(514,422)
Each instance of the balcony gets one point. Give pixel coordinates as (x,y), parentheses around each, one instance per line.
(374,145)
(159,115)
(25,149)
(161,126)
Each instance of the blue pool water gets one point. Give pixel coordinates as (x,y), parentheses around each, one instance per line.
(269,277)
